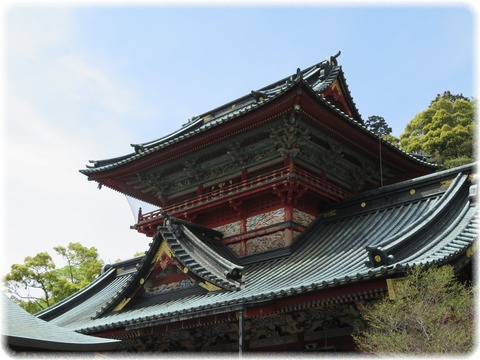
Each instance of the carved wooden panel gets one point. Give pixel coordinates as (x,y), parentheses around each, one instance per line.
(302,217)
(312,327)
(229,229)
(266,219)
(263,243)
(165,275)
(236,248)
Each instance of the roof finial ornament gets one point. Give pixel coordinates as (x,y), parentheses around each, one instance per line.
(258,95)
(166,218)
(299,75)
(138,148)
(333,59)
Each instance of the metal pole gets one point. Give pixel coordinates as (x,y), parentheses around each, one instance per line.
(240,332)
(380,151)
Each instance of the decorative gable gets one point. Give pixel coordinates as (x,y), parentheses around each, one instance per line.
(166,275)
(178,259)
(198,260)
(335,95)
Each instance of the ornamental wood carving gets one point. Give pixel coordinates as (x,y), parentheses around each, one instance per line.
(290,136)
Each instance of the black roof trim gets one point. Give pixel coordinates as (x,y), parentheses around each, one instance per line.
(330,254)
(70,302)
(318,77)
(132,286)
(201,259)
(393,189)
(421,233)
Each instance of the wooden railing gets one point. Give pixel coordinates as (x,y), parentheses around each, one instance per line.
(320,183)
(257,182)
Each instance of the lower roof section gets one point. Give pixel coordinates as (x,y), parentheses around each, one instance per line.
(25,331)
(431,220)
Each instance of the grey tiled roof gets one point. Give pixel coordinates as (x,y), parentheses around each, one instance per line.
(335,250)
(418,234)
(317,77)
(199,258)
(27,331)
(193,255)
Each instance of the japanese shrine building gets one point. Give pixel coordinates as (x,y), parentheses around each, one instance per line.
(277,214)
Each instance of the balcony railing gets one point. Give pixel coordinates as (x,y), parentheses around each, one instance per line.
(246,185)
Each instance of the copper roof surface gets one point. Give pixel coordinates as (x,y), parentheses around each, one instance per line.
(25,331)
(317,78)
(427,220)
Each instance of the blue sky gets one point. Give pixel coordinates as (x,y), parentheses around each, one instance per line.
(84,82)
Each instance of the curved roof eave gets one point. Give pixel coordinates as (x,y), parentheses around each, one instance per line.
(199,125)
(226,112)
(292,275)
(370,133)
(27,331)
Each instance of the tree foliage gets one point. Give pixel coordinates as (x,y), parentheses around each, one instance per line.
(35,275)
(378,125)
(432,313)
(450,97)
(445,131)
(38,283)
(82,264)
(392,139)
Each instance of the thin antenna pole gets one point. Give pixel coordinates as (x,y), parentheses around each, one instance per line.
(240,331)
(380,151)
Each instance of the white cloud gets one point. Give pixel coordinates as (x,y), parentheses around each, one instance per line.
(61,110)
(32,30)
(91,85)
(50,203)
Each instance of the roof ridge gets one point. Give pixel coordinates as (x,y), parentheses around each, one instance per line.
(272,91)
(64,304)
(223,272)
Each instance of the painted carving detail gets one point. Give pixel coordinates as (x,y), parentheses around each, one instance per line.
(318,326)
(236,248)
(262,220)
(216,337)
(165,275)
(229,229)
(236,153)
(289,137)
(302,217)
(154,183)
(264,243)
(164,288)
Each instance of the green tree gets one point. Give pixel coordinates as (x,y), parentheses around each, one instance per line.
(445,131)
(82,266)
(378,126)
(38,283)
(36,277)
(450,97)
(431,313)
(392,139)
